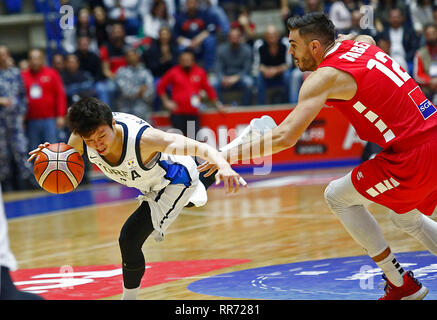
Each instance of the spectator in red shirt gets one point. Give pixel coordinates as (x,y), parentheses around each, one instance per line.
(47,102)
(186,80)
(425,63)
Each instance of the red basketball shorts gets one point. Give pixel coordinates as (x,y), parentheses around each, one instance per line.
(401,178)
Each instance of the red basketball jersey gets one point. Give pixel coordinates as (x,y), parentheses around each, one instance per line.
(388,108)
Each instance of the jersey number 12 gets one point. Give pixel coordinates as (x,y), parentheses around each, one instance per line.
(395,73)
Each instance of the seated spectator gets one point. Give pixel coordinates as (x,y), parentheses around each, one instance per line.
(57,62)
(145,7)
(47,102)
(246,26)
(187,80)
(77,82)
(112,56)
(231,6)
(421,14)
(425,64)
(404,41)
(136,87)
(156,19)
(290,8)
(195,29)
(382,12)
(101,26)
(357,28)
(88,60)
(273,64)
(125,12)
(84,27)
(91,63)
(233,67)
(340,14)
(216,11)
(162,54)
(23,64)
(112,53)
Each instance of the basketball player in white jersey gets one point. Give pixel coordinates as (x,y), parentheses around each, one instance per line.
(8,291)
(159,164)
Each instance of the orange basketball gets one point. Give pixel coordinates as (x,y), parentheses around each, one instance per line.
(58,168)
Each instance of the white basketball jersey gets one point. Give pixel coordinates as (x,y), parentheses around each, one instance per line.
(7,258)
(162,170)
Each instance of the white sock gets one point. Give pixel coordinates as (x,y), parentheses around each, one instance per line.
(392,270)
(130,294)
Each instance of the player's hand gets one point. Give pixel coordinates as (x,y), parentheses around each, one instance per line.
(231,179)
(207,166)
(33,153)
(343,37)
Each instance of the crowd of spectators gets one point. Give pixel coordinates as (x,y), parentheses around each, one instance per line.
(141,56)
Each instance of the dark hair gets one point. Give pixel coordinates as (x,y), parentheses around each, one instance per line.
(155,5)
(316,24)
(429,25)
(187,50)
(85,115)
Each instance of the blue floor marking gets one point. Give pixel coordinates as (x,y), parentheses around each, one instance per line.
(47,203)
(349,278)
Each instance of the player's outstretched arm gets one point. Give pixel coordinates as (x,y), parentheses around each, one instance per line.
(313,94)
(154,140)
(322,84)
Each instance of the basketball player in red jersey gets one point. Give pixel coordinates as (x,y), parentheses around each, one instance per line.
(385,106)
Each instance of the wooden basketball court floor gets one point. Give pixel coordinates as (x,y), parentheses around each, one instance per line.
(279,219)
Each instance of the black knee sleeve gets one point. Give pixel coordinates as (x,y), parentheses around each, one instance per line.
(207,181)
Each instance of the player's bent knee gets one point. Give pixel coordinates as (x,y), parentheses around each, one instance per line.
(331,195)
(127,244)
(123,242)
(407,222)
